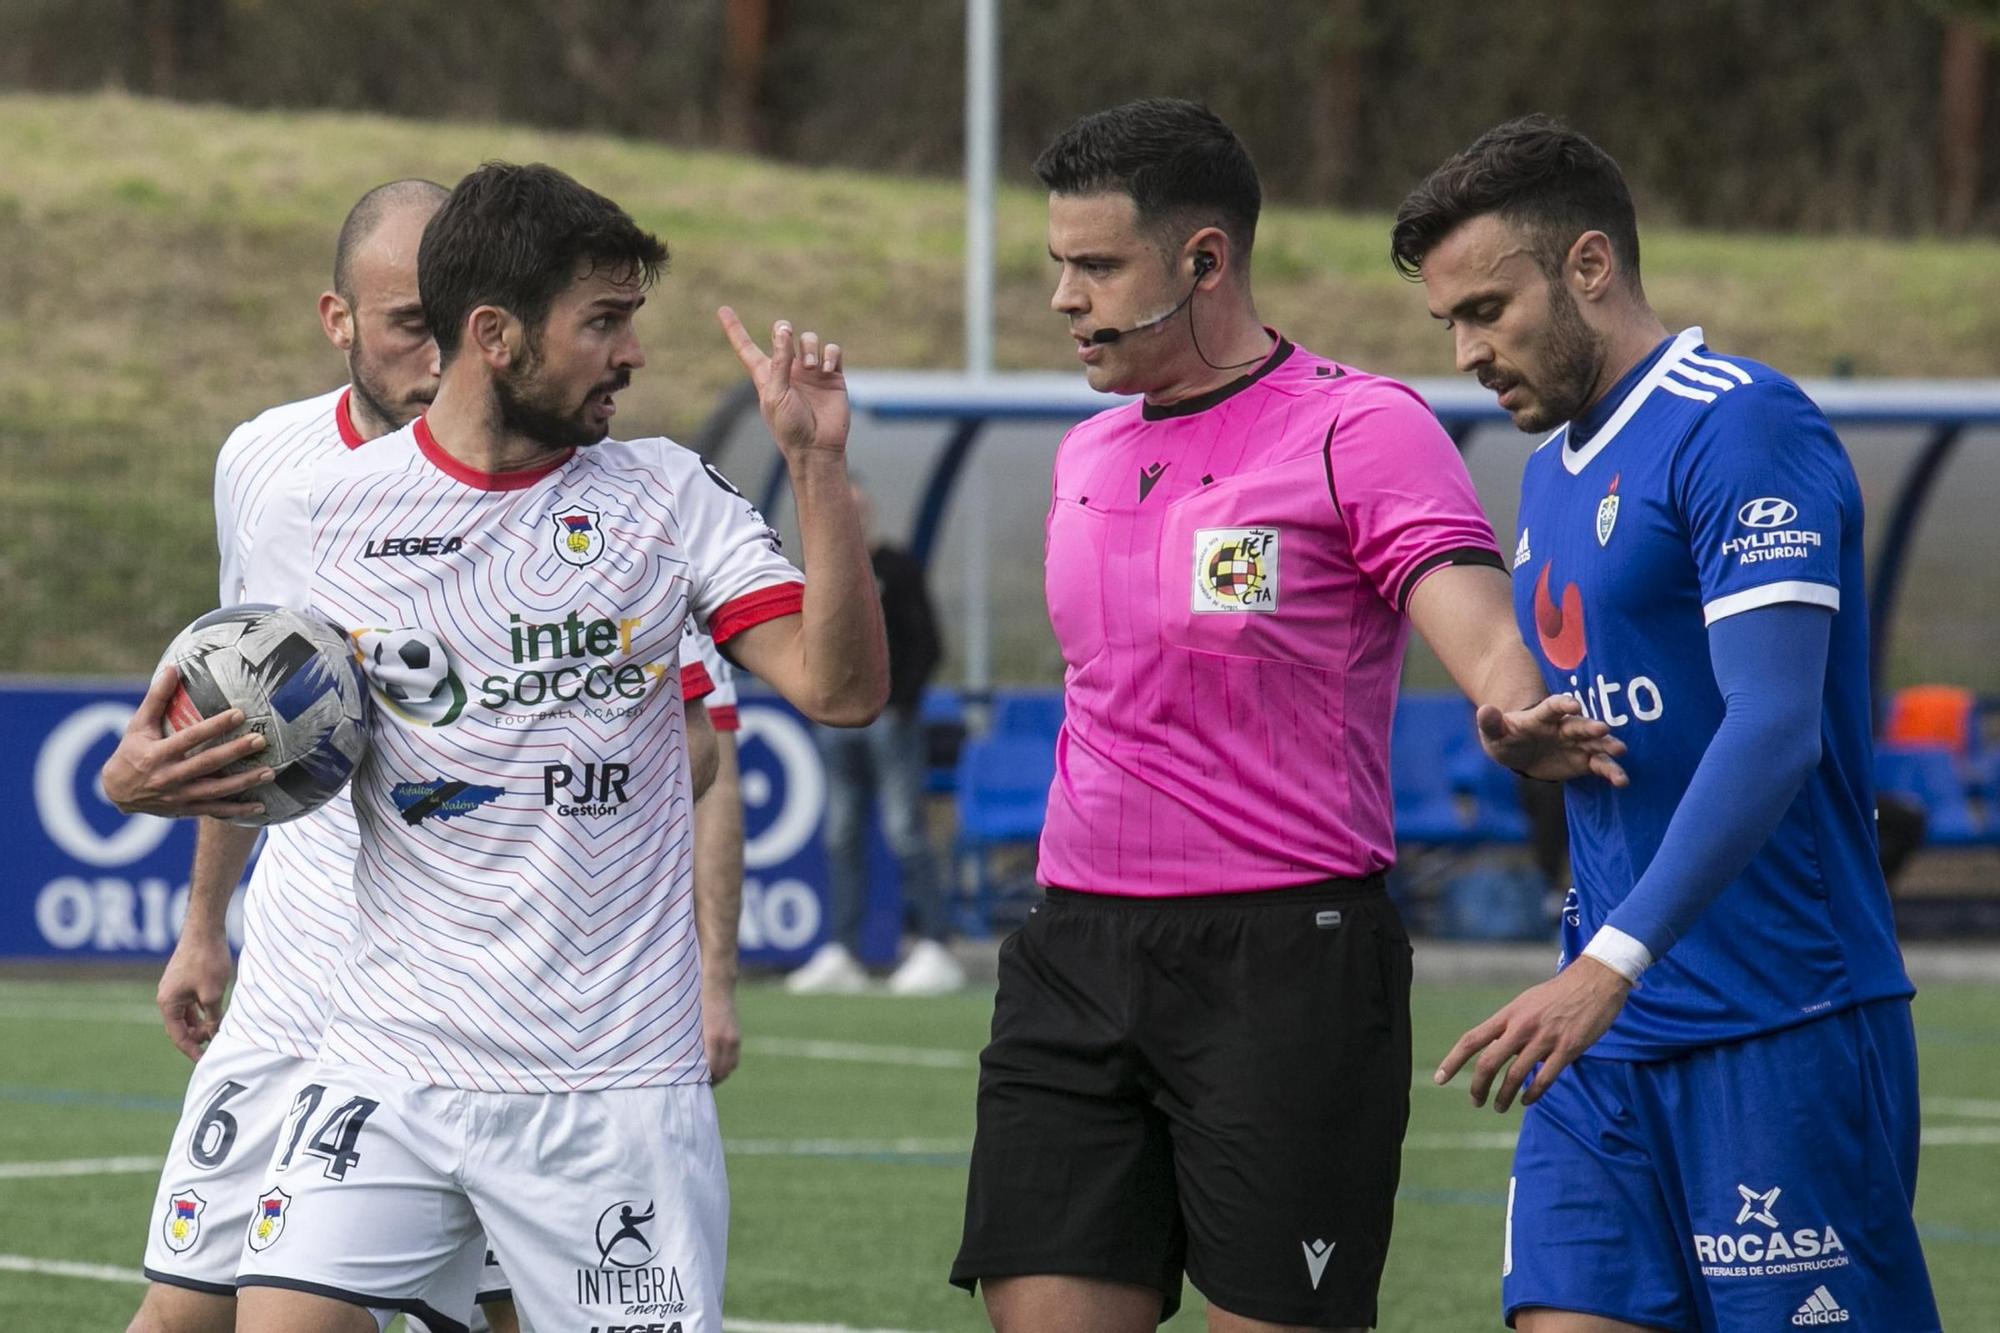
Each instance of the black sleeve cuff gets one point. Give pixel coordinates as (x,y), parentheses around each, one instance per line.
(1464,555)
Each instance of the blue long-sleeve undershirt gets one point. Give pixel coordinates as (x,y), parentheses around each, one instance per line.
(1770,666)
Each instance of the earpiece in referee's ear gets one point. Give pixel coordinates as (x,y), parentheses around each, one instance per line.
(1204,264)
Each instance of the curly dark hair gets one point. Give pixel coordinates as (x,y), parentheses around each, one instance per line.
(1536,173)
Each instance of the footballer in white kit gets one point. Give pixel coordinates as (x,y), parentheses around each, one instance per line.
(515,1037)
(299,908)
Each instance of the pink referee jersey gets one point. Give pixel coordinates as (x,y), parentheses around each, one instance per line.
(1227,578)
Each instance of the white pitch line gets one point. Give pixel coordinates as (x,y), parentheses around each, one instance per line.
(1962,1136)
(72,1012)
(765,1325)
(928,1057)
(844,1147)
(79,1166)
(1972,1107)
(1475,1139)
(21,1263)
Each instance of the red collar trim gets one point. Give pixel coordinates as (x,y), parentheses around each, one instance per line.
(485,481)
(343,420)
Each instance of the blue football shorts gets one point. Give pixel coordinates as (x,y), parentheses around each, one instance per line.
(1760,1185)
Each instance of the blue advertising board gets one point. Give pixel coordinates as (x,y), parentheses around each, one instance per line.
(80,880)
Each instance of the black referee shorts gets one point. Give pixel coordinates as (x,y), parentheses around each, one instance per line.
(1216,1084)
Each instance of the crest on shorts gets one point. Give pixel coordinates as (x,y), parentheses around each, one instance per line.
(1235,569)
(1607,513)
(579,537)
(182,1226)
(267,1223)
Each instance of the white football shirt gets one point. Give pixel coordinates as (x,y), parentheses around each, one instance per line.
(525,875)
(298,912)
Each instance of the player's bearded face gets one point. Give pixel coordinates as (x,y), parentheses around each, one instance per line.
(393,370)
(1560,372)
(549,409)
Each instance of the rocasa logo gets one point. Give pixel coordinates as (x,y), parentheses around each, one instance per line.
(1560,634)
(1762,1247)
(567,660)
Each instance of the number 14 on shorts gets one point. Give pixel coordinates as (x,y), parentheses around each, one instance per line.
(337,1138)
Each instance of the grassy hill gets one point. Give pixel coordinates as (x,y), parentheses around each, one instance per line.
(159,264)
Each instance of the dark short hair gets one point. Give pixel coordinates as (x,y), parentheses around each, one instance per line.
(368,214)
(514,237)
(1179,163)
(1536,173)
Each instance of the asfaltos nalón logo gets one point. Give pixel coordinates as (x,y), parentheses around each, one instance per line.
(1559,632)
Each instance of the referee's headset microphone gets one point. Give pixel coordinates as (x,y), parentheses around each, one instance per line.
(1204,264)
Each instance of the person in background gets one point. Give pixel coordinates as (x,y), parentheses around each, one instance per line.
(885,760)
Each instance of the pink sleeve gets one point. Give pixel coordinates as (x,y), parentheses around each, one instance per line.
(1403,491)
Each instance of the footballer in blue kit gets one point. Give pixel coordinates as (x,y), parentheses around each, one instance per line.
(1720,1090)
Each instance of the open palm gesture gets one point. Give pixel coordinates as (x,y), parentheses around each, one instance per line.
(800,389)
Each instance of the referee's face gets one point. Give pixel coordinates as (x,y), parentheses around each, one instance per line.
(1513,328)
(1111,275)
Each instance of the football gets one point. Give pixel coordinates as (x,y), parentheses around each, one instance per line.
(299,685)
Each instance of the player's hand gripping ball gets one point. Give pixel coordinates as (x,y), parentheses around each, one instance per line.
(298,683)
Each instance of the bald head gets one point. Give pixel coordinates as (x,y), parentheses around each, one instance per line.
(420,198)
(374,313)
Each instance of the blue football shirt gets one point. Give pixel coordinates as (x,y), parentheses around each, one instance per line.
(1709,486)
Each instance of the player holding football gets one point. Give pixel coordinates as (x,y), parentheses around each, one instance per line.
(516,1040)
(1200,1056)
(1720,1082)
(299,911)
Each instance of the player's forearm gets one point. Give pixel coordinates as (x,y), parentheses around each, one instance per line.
(1466,614)
(221,850)
(1771,668)
(842,648)
(718,870)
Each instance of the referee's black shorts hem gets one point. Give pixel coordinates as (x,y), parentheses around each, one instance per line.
(968,1273)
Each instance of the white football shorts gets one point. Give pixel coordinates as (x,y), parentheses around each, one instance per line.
(610,1208)
(217,1164)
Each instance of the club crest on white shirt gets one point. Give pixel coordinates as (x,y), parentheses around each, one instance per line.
(579,534)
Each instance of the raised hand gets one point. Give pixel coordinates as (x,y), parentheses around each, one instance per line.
(154,774)
(800,389)
(1552,741)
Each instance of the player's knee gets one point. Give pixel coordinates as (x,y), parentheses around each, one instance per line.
(169,1309)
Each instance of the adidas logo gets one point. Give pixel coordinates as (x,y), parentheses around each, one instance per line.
(1820,1308)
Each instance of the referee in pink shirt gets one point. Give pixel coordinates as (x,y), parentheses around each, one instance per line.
(1200,1058)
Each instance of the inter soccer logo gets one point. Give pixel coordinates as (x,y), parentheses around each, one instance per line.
(411,674)
(1235,569)
(182,1226)
(579,534)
